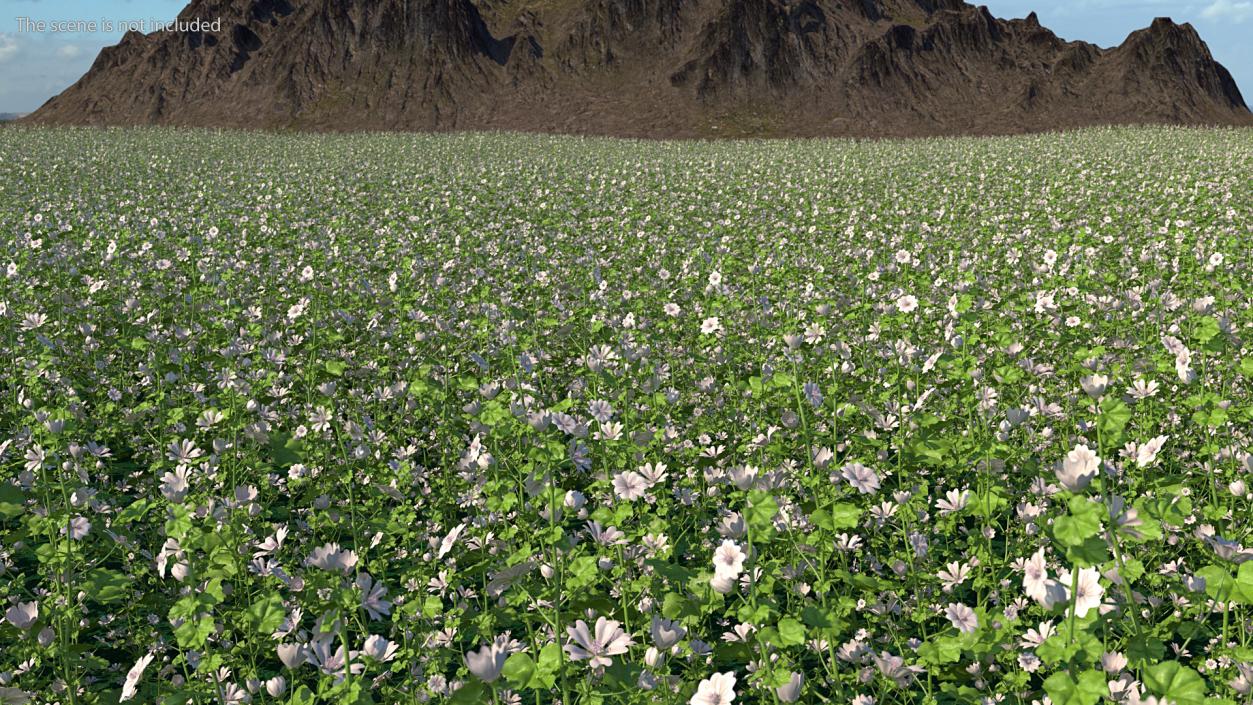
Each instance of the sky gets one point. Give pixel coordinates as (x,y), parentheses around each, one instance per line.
(36,66)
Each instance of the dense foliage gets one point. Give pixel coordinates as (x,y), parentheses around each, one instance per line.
(398,419)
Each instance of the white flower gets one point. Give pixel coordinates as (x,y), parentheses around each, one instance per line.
(487,662)
(665,633)
(743,476)
(605,640)
(1088,592)
(629,485)
(729,558)
(711,325)
(373,596)
(276,686)
(953,574)
(1095,385)
(379,648)
(862,478)
(450,540)
(292,655)
(1078,469)
(962,617)
(1146,454)
(1112,662)
(718,689)
(78,528)
(1141,389)
(175,485)
(330,557)
(790,692)
(907,303)
(1035,577)
(129,687)
(723,583)
(23,614)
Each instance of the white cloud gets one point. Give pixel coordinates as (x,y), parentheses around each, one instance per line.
(8,47)
(34,66)
(1229,10)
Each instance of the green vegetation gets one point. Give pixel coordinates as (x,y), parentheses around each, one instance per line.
(517,419)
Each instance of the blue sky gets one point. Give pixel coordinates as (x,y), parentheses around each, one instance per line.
(34,67)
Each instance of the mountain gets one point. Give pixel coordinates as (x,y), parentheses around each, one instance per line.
(646,68)
(9,117)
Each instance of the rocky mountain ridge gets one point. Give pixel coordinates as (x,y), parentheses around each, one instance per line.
(645,68)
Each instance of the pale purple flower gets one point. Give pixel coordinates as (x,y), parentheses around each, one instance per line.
(665,633)
(131,684)
(1078,469)
(379,648)
(373,597)
(23,614)
(718,689)
(78,528)
(598,644)
(790,692)
(729,558)
(629,485)
(862,478)
(330,557)
(962,617)
(1088,592)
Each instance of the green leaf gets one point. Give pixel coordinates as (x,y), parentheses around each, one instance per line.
(286,450)
(761,510)
(12,501)
(818,617)
(107,586)
(302,696)
(676,606)
(1082,523)
(582,572)
(791,632)
(550,658)
(266,614)
(519,669)
(472,693)
(940,650)
(1060,649)
(1114,416)
(1246,367)
(133,512)
(1206,330)
(1093,551)
(1089,688)
(1176,682)
(845,515)
(335,368)
(1219,584)
(193,633)
(1244,584)
(1145,650)
(432,606)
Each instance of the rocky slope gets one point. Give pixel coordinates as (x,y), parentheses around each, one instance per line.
(648,68)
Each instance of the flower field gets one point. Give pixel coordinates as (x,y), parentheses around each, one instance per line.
(516,419)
